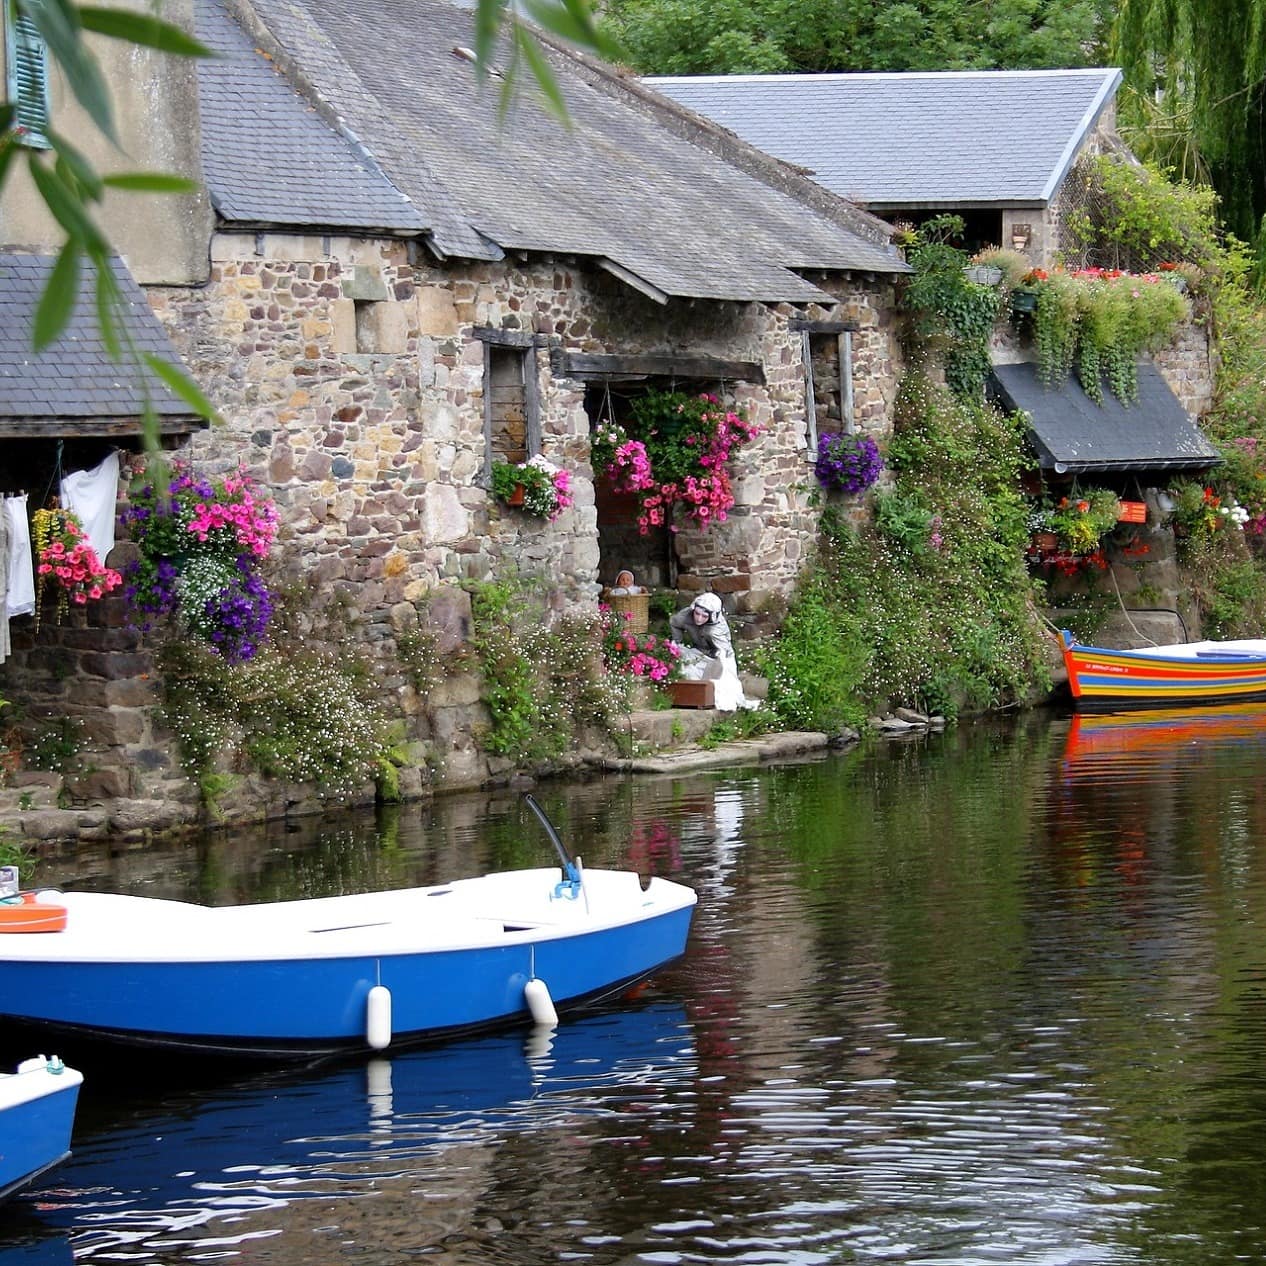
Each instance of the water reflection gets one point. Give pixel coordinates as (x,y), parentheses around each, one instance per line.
(994,996)
(208,1168)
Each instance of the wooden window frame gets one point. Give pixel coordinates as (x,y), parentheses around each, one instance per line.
(844,331)
(26,79)
(525,344)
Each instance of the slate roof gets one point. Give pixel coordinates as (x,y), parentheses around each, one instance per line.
(919,141)
(677,206)
(269,158)
(1072,434)
(75,378)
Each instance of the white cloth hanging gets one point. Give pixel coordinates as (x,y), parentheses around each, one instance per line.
(20,599)
(6,644)
(92,496)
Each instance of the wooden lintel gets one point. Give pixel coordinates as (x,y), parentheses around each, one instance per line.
(709,368)
(504,338)
(823,327)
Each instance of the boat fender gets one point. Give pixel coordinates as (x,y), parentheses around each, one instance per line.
(539,1003)
(378,1018)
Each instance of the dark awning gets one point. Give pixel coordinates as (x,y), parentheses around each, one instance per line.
(1072,433)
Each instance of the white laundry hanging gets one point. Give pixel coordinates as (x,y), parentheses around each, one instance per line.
(92,496)
(20,599)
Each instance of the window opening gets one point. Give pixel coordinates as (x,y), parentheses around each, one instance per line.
(512,423)
(828,385)
(26,74)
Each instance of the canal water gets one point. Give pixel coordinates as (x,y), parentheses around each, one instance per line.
(992,996)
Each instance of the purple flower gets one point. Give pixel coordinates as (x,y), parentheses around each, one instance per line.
(847,462)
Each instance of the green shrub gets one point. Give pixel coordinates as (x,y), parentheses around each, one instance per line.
(945,626)
(543,676)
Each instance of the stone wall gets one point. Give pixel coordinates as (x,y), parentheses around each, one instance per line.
(376,458)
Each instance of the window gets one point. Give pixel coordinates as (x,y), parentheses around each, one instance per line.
(512,424)
(26,72)
(827,350)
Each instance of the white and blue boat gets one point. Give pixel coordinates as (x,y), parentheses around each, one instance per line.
(366,971)
(37,1113)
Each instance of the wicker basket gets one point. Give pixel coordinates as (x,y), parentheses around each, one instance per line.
(636,606)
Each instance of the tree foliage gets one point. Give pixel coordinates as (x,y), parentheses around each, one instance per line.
(680,37)
(1198,71)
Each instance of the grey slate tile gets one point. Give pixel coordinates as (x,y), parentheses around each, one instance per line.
(75,378)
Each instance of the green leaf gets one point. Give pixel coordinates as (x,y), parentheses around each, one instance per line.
(61,293)
(109,308)
(73,168)
(181,385)
(143,29)
(66,206)
(542,72)
(572,20)
(489,18)
(151,182)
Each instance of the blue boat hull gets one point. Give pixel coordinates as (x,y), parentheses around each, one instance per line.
(317,1006)
(35,1136)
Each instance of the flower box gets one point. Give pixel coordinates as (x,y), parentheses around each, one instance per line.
(692,694)
(1045,542)
(1131,512)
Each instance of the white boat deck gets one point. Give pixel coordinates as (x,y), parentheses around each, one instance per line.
(502,908)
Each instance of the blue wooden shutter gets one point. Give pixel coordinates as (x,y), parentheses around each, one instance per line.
(27,59)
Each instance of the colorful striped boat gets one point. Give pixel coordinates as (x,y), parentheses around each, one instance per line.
(1165,676)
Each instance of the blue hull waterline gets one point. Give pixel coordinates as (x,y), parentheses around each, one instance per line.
(308,997)
(37,1114)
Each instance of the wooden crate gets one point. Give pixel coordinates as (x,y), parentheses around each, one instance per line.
(692,694)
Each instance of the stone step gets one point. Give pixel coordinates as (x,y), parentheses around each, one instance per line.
(29,789)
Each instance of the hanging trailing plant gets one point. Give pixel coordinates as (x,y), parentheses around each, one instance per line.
(1100,321)
(948,308)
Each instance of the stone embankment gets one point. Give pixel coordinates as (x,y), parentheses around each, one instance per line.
(38,809)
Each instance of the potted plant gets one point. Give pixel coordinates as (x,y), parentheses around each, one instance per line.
(673,451)
(1082,520)
(847,461)
(536,486)
(200,543)
(65,559)
(1000,266)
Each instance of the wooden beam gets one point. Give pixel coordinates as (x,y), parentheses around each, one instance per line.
(630,278)
(503,338)
(93,428)
(823,327)
(600,365)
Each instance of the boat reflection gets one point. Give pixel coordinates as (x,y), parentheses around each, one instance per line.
(215,1166)
(1113,741)
(45,1250)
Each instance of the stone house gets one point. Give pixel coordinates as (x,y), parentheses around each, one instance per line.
(387,286)
(1001,149)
